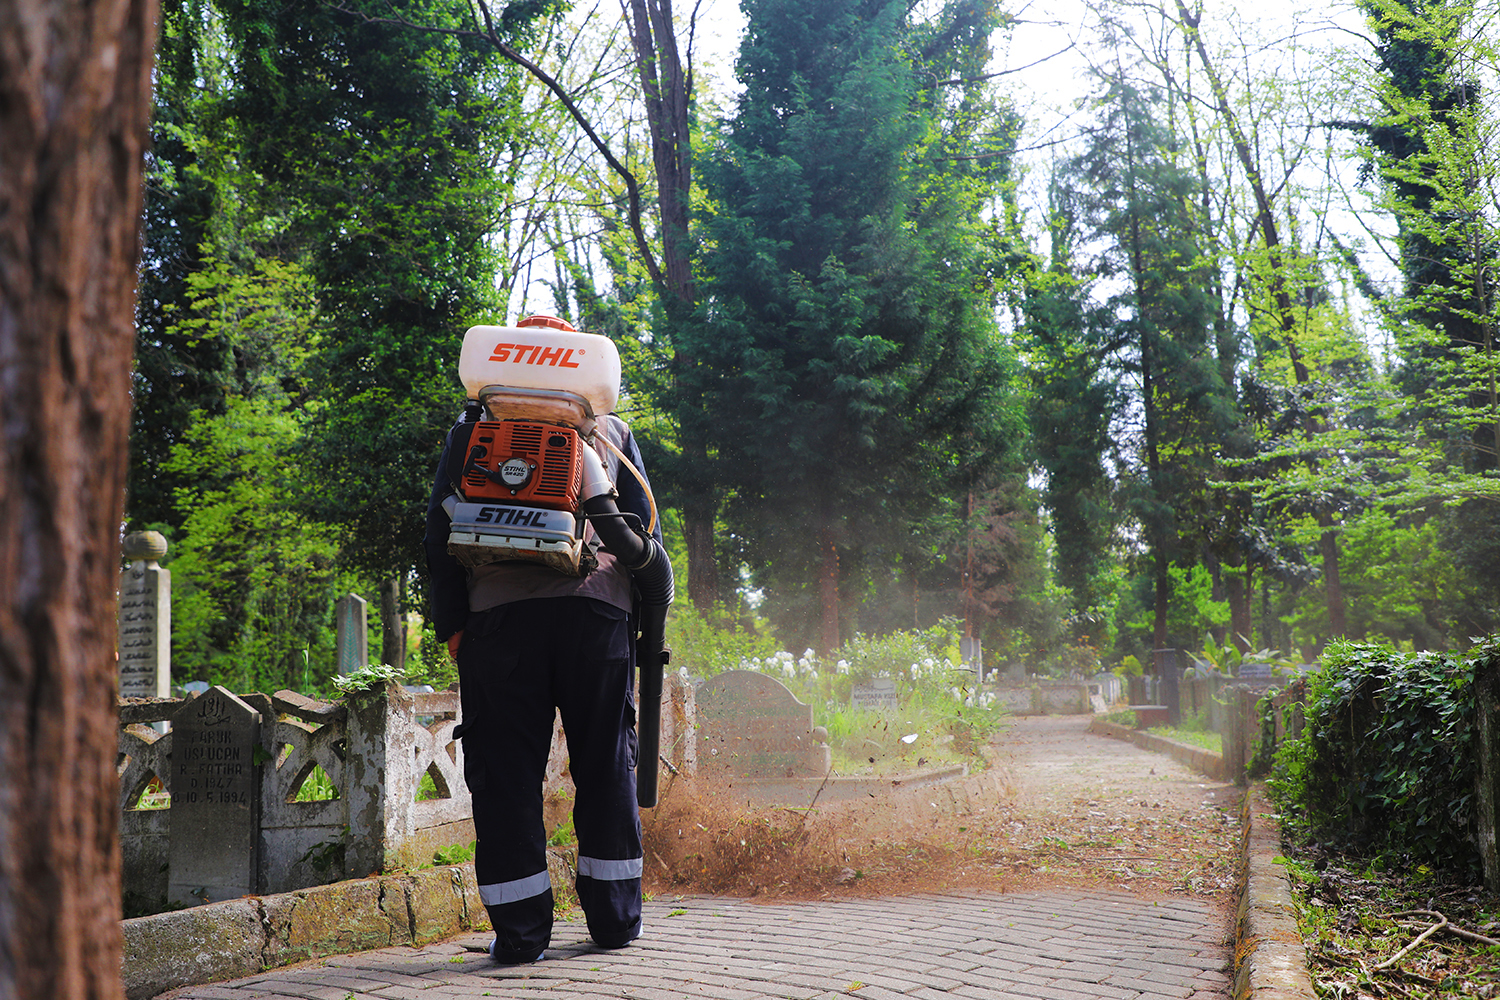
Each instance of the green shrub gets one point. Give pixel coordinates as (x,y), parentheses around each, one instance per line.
(708,644)
(1386,763)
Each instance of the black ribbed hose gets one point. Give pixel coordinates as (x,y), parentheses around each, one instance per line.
(651,572)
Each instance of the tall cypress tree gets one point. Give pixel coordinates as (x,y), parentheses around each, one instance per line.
(847,359)
(1135,194)
(1077,394)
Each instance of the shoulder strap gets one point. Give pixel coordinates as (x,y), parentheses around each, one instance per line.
(458,452)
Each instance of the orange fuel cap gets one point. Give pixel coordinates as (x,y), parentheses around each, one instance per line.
(548,321)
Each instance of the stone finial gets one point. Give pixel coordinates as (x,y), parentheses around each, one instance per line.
(144,545)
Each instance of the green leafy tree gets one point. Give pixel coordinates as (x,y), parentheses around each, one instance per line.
(195,206)
(253,579)
(847,354)
(1432,145)
(373,140)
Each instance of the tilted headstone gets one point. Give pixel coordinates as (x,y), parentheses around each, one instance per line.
(215,843)
(145,618)
(354,633)
(752,725)
(880,692)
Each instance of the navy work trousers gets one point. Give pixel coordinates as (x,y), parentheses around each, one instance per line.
(517,662)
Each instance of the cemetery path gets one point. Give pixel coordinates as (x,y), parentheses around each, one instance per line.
(1076,867)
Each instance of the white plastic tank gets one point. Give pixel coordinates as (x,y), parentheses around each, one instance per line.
(542,353)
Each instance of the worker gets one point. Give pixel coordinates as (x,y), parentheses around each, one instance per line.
(527,639)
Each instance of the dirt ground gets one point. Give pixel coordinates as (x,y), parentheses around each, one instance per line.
(1057,806)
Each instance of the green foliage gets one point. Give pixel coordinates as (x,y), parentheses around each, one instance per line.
(1385,764)
(373,678)
(1074,400)
(253,582)
(327,857)
(453,854)
(1201,737)
(428,662)
(317,787)
(375,140)
(564,836)
(1193,609)
(846,346)
(704,644)
(1227,659)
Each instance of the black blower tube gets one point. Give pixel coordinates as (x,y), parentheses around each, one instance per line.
(651,655)
(651,572)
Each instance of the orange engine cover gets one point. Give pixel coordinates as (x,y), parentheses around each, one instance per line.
(521,462)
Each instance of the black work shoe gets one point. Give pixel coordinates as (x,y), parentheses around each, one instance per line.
(504,959)
(610,944)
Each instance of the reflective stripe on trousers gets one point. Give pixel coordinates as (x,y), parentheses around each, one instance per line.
(610,871)
(519,889)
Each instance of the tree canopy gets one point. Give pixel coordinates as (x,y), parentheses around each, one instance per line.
(892,353)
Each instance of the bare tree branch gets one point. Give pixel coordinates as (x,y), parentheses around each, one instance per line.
(490,35)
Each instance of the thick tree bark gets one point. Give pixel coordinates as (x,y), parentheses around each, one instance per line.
(75,89)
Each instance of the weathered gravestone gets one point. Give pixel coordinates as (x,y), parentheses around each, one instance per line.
(353,644)
(145,618)
(880,692)
(971,654)
(215,841)
(752,726)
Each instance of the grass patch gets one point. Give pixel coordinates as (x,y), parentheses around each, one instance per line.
(1193,737)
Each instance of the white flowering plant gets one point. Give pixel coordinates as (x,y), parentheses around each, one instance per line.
(941,709)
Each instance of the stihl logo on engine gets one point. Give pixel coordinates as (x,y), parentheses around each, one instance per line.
(512,516)
(535,354)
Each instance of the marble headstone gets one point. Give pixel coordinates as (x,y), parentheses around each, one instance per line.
(215,799)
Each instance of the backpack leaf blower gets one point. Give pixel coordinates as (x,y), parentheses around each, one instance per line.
(527,480)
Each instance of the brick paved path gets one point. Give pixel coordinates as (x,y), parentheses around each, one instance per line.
(1036,946)
(1033,945)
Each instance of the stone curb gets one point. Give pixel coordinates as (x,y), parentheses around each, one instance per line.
(241,937)
(1270,959)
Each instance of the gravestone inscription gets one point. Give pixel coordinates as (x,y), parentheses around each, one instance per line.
(753,726)
(880,692)
(214,853)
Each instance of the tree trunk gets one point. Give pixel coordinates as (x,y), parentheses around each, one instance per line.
(1328,544)
(75,90)
(1238,590)
(828,589)
(392,624)
(667,90)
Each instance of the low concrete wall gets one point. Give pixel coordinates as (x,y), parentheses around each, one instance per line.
(1052,697)
(1205,762)
(240,937)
